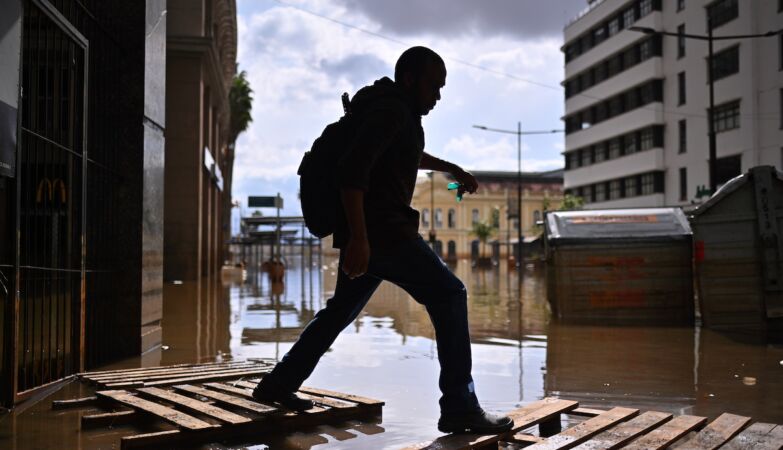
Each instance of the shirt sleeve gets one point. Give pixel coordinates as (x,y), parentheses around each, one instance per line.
(375,135)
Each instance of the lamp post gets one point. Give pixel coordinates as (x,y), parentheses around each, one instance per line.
(519,133)
(711,81)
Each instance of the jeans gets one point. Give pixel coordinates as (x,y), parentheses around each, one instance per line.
(414,267)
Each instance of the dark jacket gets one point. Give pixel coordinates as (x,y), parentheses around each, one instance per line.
(383,161)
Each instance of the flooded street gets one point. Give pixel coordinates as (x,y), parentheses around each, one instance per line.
(519,355)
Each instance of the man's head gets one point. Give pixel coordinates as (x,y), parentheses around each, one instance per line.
(421,73)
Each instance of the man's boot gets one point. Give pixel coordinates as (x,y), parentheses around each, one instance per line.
(480,422)
(269,391)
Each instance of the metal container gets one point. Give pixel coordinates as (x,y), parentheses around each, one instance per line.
(738,250)
(620,266)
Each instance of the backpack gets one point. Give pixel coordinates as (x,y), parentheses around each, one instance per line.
(318,191)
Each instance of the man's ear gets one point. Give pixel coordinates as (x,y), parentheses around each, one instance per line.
(408,80)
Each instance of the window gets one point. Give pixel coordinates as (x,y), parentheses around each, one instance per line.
(536,216)
(645,7)
(600,192)
(725,63)
(726,116)
(646,139)
(648,184)
(614,26)
(474,216)
(425,218)
(683,138)
(727,168)
(630,187)
(614,148)
(681,41)
(781,109)
(599,35)
(780,51)
(614,189)
(452,218)
(438,218)
(629,141)
(683,183)
(721,12)
(645,50)
(629,17)
(681,88)
(680,5)
(600,149)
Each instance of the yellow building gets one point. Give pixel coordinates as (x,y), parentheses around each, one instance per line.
(452,221)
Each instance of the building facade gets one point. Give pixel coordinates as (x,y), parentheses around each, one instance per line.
(200,65)
(81,186)
(637,105)
(495,202)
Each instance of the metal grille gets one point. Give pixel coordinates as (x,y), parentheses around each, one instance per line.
(51,201)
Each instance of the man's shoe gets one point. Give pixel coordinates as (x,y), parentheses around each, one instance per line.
(267,392)
(480,422)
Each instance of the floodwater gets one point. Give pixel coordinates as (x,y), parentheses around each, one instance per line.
(519,355)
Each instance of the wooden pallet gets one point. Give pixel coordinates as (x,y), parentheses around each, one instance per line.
(618,428)
(188,409)
(178,374)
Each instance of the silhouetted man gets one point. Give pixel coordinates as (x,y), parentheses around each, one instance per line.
(378,240)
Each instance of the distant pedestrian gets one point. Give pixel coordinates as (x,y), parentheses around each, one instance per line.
(378,240)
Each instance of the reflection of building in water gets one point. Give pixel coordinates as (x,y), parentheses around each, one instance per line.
(196,319)
(452,221)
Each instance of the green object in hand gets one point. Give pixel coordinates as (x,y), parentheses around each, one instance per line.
(454,185)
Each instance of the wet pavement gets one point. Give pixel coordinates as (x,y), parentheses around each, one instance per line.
(519,355)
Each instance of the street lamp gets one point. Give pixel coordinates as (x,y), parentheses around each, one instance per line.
(709,38)
(519,133)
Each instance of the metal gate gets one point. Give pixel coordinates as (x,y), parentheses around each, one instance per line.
(50,207)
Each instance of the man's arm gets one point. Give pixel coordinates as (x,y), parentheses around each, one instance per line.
(465,178)
(357,251)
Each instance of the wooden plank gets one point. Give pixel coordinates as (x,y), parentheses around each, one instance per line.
(584,430)
(341,396)
(326,401)
(164,412)
(667,433)
(159,374)
(524,439)
(188,374)
(74,403)
(159,369)
(524,417)
(587,412)
(720,430)
(617,436)
(193,379)
(108,419)
(143,369)
(759,436)
(194,405)
(227,399)
(247,393)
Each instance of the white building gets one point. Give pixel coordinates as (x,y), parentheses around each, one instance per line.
(637,104)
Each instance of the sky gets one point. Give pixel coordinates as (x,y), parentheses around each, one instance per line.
(504,66)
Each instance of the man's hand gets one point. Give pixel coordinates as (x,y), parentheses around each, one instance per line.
(466,180)
(356,257)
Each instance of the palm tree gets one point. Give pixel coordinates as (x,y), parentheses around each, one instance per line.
(482,230)
(240,102)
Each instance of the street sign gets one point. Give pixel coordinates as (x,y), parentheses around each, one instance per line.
(264,202)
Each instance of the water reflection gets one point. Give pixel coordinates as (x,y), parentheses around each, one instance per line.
(389,353)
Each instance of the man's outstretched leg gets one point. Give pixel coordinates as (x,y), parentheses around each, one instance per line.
(419,271)
(281,384)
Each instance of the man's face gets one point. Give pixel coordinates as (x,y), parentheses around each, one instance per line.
(428,86)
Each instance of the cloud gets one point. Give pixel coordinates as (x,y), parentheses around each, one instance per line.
(452,18)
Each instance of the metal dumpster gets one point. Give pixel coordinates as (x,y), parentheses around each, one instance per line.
(738,253)
(620,266)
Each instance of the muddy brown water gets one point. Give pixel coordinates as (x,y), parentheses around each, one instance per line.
(519,355)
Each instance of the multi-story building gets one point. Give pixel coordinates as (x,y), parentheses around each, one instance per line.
(494,202)
(637,104)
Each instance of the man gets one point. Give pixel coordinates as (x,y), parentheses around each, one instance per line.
(378,240)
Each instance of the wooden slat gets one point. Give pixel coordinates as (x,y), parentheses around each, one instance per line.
(584,430)
(720,430)
(587,412)
(74,403)
(164,412)
(159,374)
(524,417)
(326,401)
(243,403)
(525,439)
(667,433)
(173,366)
(341,396)
(194,405)
(247,393)
(152,378)
(759,436)
(192,379)
(617,436)
(108,419)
